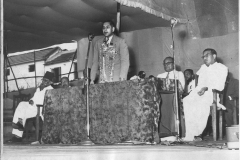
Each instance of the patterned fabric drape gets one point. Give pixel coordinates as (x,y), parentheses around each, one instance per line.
(124,111)
(65,116)
(119,111)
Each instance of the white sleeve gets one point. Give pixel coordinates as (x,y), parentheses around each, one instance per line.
(38,97)
(219,78)
(162,75)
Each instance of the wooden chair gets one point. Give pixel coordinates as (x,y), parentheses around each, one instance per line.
(35,121)
(235,115)
(214,115)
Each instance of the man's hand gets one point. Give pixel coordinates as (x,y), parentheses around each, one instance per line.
(202,91)
(31,102)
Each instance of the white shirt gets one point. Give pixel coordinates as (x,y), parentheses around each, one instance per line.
(38,97)
(213,76)
(179,76)
(191,86)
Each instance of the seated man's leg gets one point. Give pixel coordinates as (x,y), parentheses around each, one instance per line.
(23,112)
(196,111)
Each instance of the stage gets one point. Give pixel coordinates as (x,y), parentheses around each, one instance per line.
(118,152)
(113,121)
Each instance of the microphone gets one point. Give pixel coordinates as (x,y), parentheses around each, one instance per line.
(91,36)
(173,22)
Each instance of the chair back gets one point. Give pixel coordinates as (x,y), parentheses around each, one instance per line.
(18,98)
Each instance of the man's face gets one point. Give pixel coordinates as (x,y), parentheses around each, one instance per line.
(168,65)
(64,83)
(208,58)
(188,75)
(107,29)
(45,82)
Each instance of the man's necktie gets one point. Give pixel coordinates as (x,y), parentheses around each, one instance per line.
(105,40)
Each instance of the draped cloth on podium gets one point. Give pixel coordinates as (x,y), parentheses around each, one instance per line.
(64,117)
(124,111)
(119,112)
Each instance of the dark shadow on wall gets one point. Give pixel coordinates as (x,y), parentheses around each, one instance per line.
(178,68)
(220,60)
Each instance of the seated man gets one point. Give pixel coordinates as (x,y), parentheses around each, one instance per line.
(65,82)
(27,110)
(212,75)
(141,75)
(168,120)
(169,74)
(190,81)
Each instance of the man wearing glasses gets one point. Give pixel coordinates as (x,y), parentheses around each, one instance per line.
(212,75)
(168,64)
(28,109)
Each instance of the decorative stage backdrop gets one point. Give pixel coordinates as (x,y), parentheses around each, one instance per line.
(119,111)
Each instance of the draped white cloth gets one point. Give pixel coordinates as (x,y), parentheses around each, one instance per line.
(197,108)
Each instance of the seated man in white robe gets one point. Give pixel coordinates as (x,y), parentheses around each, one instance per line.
(170,72)
(212,75)
(28,109)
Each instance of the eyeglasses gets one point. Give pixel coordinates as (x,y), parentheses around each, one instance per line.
(206,55)
(168,63)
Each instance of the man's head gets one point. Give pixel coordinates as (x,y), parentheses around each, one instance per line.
(168,64)
(64,82)
(47,79)
(209,56)
(189,75)
(141,74)
(108,28)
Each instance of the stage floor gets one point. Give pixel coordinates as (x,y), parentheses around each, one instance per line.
(195,151)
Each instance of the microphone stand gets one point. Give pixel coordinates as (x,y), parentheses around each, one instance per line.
(175,87)
(86,89)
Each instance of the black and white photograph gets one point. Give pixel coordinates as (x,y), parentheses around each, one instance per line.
(119,79)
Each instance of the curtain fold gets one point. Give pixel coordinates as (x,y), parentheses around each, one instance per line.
(156,8)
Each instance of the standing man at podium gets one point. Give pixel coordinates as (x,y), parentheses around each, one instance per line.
(111,56)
